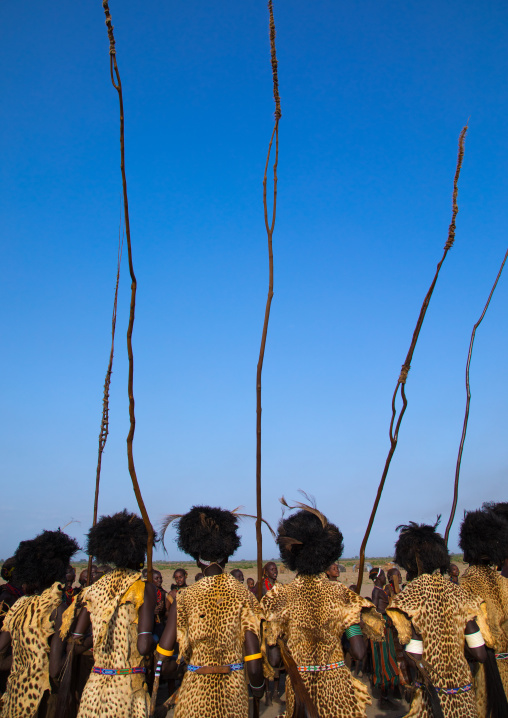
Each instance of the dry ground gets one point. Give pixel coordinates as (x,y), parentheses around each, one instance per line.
(348,578)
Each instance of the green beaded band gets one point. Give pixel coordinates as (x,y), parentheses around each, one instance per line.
(353,631)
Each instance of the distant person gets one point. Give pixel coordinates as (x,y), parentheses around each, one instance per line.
(237,574)
(69,591)
(161,607)
(394,585)
(393,588)
(251,585)
(180,581)
(270,573)
(10,591)
(385,670)
(104,568)
(454,574)
(379,597)
(83,576)
(333,572)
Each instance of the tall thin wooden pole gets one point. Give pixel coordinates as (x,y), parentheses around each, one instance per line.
(468,400)
(104,430)
(394,433)
(269,232)
(132,470)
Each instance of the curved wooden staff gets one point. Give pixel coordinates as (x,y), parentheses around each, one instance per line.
(104,431)
(401,382)
(468,400)
(113,67)
(269,232)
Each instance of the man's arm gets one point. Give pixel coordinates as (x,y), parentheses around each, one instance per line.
(357,648)
(414,648)
(475,643)
(146,619)
(5,642)
(168,638)
(254,665)
(57,649)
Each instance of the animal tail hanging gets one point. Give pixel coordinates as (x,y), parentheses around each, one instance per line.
(401,382)
(497,703)
(66,697)
(468,400)
(304,705)
(427,687)
(104,430)
(115,74)
(269,231)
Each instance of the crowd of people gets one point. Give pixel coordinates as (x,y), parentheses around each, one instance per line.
(102,648)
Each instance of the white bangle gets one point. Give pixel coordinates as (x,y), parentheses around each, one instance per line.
(414,646)
(474,640)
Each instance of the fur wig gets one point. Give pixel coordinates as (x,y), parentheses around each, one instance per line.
(420,549)
(500,508)
(308,543)
(43,560)
(209,533)
(119,539)
(484,538)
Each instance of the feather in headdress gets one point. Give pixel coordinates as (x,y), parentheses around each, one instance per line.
(251,516)
(288,543)
(311,507)
(166,521)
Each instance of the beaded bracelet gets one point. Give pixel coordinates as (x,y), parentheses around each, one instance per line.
(253,657)
(353,631)
(163,651)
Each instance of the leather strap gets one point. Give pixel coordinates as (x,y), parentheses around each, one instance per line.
(203,670)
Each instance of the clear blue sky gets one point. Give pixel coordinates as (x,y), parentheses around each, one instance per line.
(374,95)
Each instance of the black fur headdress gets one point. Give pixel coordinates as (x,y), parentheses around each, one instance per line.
(484,538)
(206,532)
(43,560)
(308,542)
(420,549)
(119,539)
(500,508)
